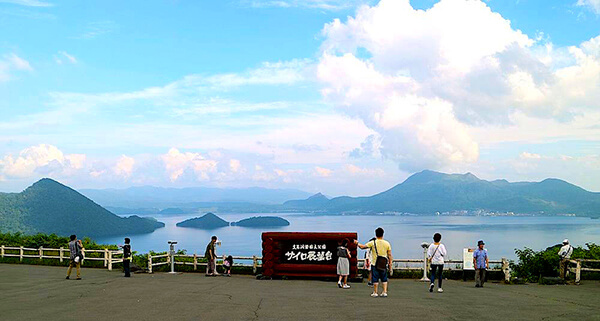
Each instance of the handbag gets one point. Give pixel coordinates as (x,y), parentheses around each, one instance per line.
(381,262)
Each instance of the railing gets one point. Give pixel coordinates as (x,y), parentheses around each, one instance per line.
(110,257)
(196,261)
(578,268)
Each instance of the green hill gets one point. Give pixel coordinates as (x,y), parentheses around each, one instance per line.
(262,221)
(207,221)
(50,207)
(428,192)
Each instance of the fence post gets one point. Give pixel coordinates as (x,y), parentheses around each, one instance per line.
(21,253)
(506,270)
(254,264)
(41,252)
(2,251)
(110,260)
(578,272)
(60,255)
(105,257)
(149,262)
(195,262)
(83,255)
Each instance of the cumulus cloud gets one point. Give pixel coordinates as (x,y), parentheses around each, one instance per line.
(322,172)
(177,163)
(124,166)
(422,78)
(235,165)
(41,160)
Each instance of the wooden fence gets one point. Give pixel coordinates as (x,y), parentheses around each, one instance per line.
(109,257)
(579,268)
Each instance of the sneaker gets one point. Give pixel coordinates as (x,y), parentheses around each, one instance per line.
(78,279)
(374,295)
(346,286)
(440,290)
(370,284)
(384,295)
(340,285)
(431,287)
(477,285)
(67,278)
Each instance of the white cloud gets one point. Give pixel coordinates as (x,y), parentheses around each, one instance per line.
(66,57)
(526,155)
(322,172)
(593,5)
(39,160)
(235,165)
(124,166)
(177,163)
(29,3)
(359,171)
(11,62)
(423,79)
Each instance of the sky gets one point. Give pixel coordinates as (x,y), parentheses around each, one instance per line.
(339,97)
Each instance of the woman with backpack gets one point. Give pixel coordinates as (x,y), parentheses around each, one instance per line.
(435,254)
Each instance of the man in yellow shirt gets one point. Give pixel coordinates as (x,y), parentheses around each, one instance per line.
(381,261)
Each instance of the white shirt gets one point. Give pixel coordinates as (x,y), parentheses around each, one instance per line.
(565,251)
(440,253)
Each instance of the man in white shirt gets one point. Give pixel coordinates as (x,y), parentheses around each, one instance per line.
(565,256)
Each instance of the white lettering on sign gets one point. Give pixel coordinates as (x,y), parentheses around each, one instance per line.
(309,256)
(309,247)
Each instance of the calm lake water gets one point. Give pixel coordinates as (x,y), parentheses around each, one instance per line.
(501,234)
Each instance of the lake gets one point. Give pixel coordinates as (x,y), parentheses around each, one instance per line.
(502,234)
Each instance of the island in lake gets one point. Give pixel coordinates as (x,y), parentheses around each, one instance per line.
(262,221)
(212,221)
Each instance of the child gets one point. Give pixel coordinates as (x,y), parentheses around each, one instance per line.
(436,253)
(368,266)
(227,264)
(481,264)
(343,264)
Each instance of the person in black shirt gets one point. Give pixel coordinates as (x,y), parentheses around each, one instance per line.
(127,257)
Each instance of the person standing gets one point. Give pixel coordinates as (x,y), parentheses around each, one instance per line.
(381,261)
(211,256)
(436,253)
(343,264)
(76,256)
(565,253)
(481,263)
(368,267)
(127,257)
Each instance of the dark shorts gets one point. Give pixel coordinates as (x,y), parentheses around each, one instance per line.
(378,275)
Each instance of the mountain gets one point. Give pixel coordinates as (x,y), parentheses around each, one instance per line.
(428,192)
(208,221)
(262,221)
(50,207)
(160,197)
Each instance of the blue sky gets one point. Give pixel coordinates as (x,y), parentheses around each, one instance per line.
(340,97)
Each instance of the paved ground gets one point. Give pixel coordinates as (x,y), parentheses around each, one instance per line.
(41,293)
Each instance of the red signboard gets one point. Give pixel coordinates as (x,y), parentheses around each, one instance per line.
(305,254)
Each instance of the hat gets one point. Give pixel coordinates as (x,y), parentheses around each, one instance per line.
(480,242)
(566,241)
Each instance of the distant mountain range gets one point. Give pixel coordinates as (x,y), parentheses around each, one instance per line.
(50,207)
(148,197)
(429,192)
